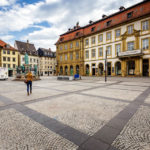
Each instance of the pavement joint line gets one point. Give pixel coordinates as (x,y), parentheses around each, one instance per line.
(59,95)
(107,98)
(99,135)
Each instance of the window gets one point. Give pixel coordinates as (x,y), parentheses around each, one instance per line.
(92,29)
(100,52)
(65,46)
(34,60)
(14,66)
(93,53)
(8,65)
(100,38)
(71,45)
(30,59)
(77,43)
(4,65)
(77,55)
(108,23)
(4,52)
(66,57)
(77,34)
(118,48)
(93,40)
(60,48)
(71,56)
(22,58)
(108,50)
(60,58)
(109,36)
(87,42)
(8,52)
(130,46)
(129,15)
(14,59)
(130,29)
(117,33)
(8,58)
(87,54)
(145,43)
(13,53)
(145,25)
(4,58)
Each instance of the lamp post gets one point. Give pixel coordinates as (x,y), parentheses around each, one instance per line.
(106,66)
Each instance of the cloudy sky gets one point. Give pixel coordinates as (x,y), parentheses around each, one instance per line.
(42,21)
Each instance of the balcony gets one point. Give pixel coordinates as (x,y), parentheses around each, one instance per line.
(131,53)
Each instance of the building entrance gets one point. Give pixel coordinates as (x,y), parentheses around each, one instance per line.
(131,67)
(109,69)
(93,69)
(145,67)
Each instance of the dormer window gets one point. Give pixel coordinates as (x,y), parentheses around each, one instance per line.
(129,15)
(77,34)
(108,23)
(61,39)
(92,29)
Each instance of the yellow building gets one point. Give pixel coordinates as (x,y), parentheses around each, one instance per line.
(8,57)
(70,54)
(124,36)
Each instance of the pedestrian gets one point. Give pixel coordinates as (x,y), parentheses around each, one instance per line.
(29,78)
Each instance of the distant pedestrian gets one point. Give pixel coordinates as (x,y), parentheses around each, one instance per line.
(29,78)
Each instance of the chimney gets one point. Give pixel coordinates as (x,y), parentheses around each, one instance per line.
(122,8)
(90,22)
(104,16)
(27,41)
(77,24)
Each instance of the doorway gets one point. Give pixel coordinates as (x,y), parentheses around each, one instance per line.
(109,68)
(145,67)
(93,70)
(131,67)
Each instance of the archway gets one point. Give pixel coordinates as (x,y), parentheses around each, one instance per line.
(71,70)
(66,70)
(118,68)
(77,69)
(87,69)
(100,69)
(109,68)
(61,70)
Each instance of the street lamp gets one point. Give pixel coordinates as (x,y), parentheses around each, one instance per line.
(106,66)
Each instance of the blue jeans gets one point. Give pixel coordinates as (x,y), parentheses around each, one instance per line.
(29,86)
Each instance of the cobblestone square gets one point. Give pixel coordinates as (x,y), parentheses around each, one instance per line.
(87,114)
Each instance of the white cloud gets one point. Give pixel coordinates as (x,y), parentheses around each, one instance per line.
(60,14)
(7,2)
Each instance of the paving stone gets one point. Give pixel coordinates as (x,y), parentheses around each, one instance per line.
(19,132)
(136,134)
(93,144)
(107,134)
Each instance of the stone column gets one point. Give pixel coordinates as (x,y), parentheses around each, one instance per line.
(123,68)
(137,67)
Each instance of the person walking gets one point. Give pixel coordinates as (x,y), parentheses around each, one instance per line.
(29,78)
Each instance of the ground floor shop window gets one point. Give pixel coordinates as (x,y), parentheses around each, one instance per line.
(118,68)
(131,67)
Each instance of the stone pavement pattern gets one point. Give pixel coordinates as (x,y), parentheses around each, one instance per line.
(88,114)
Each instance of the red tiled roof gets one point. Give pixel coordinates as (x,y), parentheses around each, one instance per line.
(4,45)
(140,9)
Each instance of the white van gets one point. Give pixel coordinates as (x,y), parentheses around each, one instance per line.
(3,73)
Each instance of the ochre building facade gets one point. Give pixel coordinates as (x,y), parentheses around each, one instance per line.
(124,36)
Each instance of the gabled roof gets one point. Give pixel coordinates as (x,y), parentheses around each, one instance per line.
(4,45)
(26,47)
